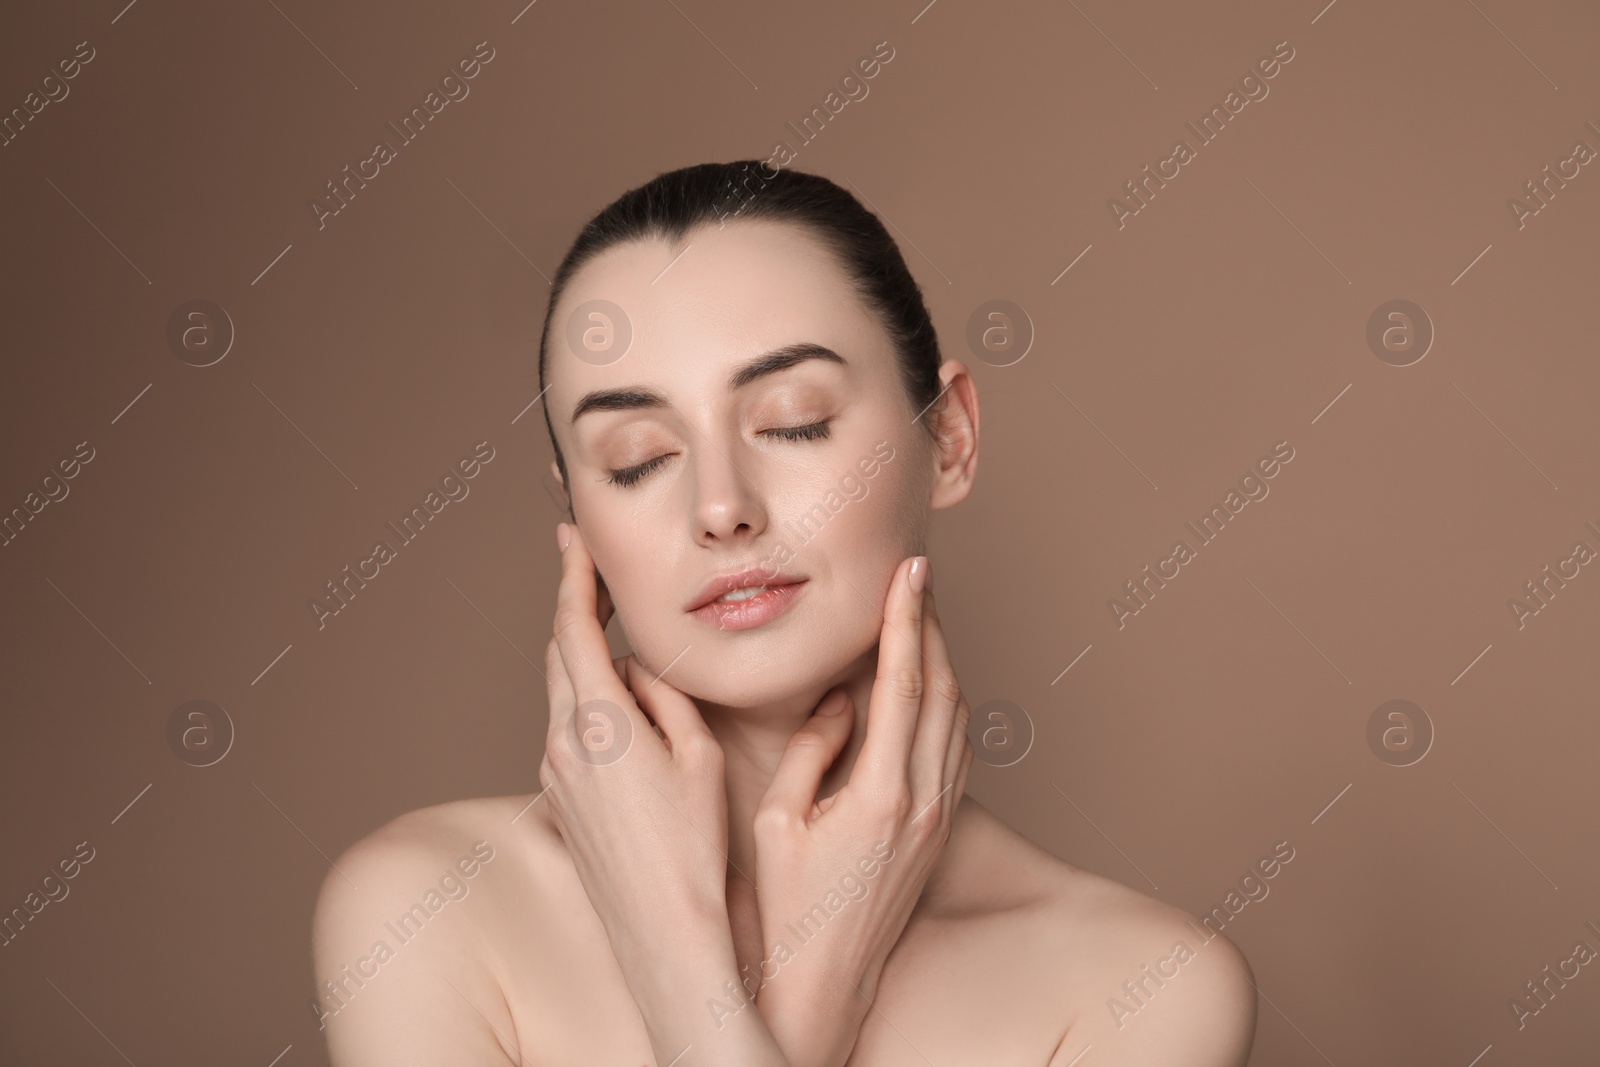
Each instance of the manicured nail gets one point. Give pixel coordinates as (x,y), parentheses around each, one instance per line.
(919,573)
(834,704)
(563,536)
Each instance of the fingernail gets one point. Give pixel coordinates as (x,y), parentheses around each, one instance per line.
(563,536)
(919,573)
(834,704)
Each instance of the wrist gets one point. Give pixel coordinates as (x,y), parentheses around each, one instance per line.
(700,998)
(685,943)
(818,1043)
(815,1023)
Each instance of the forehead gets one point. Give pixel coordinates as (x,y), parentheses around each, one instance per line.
(723,296)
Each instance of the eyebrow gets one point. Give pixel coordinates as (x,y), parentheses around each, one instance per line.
(632,397)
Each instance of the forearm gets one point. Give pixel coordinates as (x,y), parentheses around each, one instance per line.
(693,1006)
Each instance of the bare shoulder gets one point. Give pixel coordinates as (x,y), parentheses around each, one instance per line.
(1139,980)
(410,856)
(1154,984)
(398,943)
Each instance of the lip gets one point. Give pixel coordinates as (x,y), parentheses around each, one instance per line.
(745,579)
(781,591)
(755,611)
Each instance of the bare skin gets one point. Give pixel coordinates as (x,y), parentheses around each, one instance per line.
(1009,958)
(609,917)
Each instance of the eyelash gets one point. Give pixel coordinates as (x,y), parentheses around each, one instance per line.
(632,475)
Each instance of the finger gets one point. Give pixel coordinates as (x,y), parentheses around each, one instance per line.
(562,701)
(582,641)
(628,679)
(810,752)
(670,711)
(547,790)
(897,690)
(941,694)
(559,696)
(960,745)
(959,790)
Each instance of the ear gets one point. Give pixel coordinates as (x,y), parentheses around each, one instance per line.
(955,453)
(556,489)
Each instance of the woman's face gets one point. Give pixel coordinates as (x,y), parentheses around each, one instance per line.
(699,454)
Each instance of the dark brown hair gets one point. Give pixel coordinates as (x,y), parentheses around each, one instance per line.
(671,204)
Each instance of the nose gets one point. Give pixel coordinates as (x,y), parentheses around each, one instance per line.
(728,503)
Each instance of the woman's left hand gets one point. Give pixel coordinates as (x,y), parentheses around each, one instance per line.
(838,877)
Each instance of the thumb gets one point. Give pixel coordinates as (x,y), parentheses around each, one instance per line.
(810,752)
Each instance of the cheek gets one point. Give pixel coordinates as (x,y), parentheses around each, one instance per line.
(864,544)
(891,517)
(832,534)
(631,580)
(872,534)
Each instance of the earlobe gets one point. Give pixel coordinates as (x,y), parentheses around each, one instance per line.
(556,488)
(956,453)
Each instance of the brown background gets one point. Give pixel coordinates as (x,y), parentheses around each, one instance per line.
(1225,317)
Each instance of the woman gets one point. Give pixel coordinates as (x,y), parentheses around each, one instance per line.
(752,845)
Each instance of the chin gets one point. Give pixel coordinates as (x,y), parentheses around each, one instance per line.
(762,665)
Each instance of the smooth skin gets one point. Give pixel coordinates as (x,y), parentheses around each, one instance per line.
(626,899)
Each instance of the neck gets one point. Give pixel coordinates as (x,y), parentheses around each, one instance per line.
(753,741)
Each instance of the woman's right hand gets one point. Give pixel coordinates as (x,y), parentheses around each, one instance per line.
(872,845)
(643,816)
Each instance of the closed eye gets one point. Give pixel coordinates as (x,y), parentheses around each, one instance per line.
(813,432)
(630,476)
